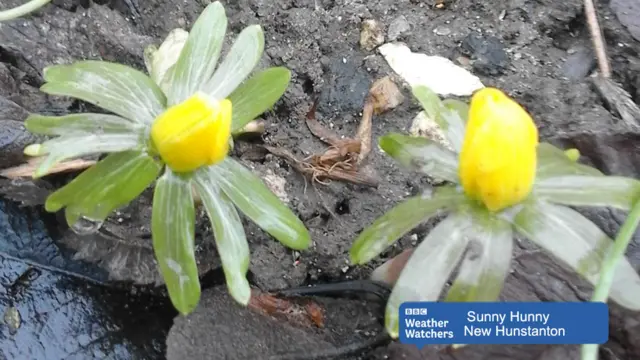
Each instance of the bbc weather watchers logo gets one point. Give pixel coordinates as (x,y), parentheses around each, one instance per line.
(415,311)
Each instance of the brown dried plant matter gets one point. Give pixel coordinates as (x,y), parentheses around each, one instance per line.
(26,170)
(308,314)
(343,159)
(618,100)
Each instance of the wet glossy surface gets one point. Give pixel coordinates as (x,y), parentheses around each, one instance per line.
(59,315)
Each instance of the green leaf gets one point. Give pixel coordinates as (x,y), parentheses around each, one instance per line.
(486,263)
(200,54)
(229,234)
(429,267)
(111,183)
(77,145)
(421,154)
(578,243)
(447,116)
(553,161)
(118,88)
(398,221)
(241,59)
(587,190)
(257,95)
(85,124)
(257,202)
(461,109)
(172,227)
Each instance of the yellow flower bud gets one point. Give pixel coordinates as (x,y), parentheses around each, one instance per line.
(193,133)
(498,156)
(573,154)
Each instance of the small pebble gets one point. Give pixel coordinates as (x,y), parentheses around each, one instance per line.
(414,239)
(12,319)
(371,35)
(398,27)
(442,31)
(488,53)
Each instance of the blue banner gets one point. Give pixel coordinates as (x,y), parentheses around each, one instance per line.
(426,323)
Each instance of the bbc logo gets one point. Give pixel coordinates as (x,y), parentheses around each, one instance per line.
(415,311)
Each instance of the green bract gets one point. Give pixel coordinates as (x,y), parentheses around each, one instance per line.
(479,242)
(184,64)
(23,9)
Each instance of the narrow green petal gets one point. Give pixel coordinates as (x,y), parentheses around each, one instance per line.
(111,183)
(257,202)
(200,54)
(579,243)
(461,109)
(173,227)
(257,95)
(118,88)
(398,221)
(73,146)
(87,123)
(429,267)
(450,116)
(486,264)
(229,234)
(553,161)
(422,154)
(588,190)
(237,65)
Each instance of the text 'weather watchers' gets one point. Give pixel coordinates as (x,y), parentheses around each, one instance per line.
(504,323)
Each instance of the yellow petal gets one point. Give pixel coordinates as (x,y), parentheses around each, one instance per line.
(194,133)
(498,156)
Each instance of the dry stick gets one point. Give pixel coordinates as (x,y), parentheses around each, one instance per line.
(596,38)
(27,170)
(616,97)
(364,130)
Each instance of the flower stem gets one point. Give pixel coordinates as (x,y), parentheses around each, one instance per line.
(590,351)
(23,9)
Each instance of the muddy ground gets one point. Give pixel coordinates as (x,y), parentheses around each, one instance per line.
(66,296)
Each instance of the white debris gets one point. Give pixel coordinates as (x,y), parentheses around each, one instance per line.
(276,184)
(435,72)
(371,35)
(423,126)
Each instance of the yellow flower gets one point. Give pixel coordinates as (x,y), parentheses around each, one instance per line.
(193,133)
(498,156)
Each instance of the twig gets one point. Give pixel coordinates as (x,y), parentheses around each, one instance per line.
(596,38)
(609,265)
(618,100)
(364,129)
(27,170)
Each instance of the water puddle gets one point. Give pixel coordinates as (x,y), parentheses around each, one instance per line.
(53,307)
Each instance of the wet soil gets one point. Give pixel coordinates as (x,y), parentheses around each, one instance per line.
(538,51)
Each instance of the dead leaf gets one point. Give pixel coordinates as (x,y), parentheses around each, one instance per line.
(340,172)
(385,95)
(320,131)
(342,160)
(309,314)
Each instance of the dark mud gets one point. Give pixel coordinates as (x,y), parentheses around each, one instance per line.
(55,307)
(537,51)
